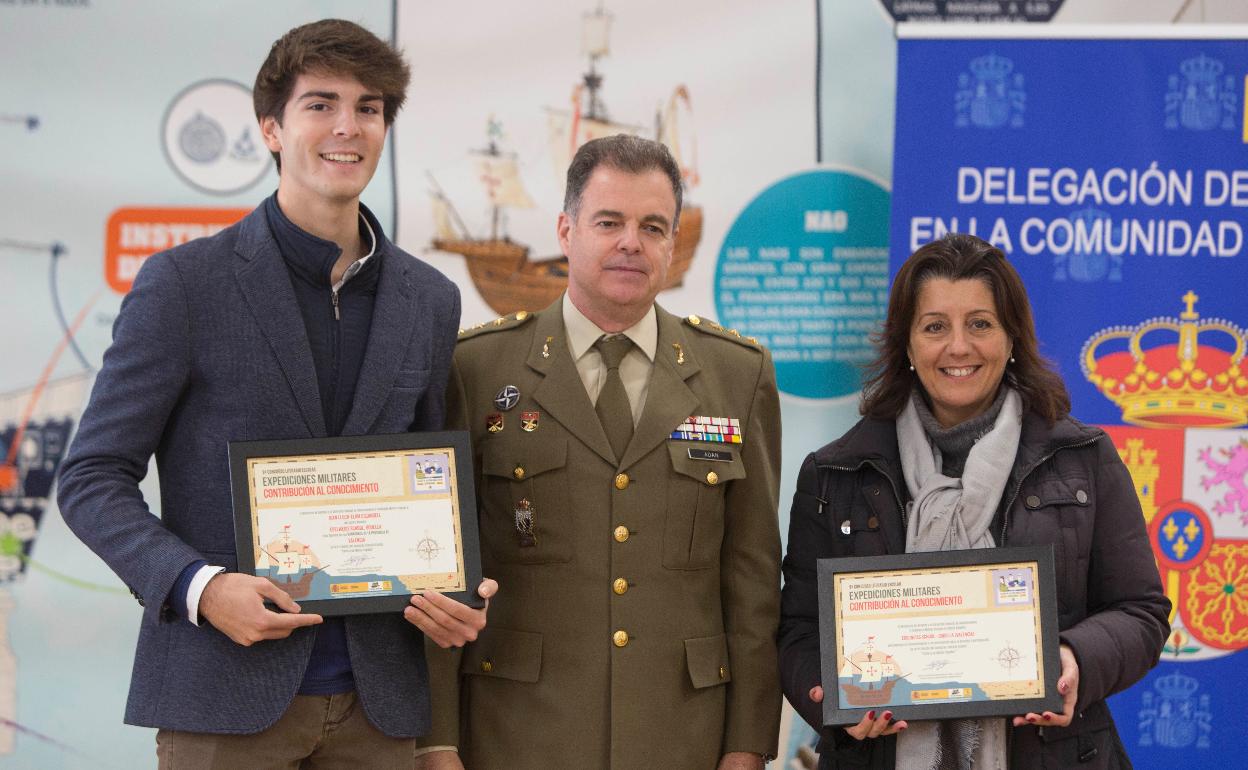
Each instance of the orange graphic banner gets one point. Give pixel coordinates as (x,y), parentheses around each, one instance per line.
(135,233)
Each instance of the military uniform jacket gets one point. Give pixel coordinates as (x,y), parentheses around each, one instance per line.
(638,603)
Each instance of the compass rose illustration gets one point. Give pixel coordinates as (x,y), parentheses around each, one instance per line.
(1008,657)
(428,548)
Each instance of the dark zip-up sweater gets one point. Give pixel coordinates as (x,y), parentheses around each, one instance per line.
(338,324)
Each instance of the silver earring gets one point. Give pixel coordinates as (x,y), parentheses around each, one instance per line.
(912,367)
(1011,359)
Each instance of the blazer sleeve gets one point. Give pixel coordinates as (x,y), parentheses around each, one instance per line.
(431,409)
(145,371)
(1127,623)
(444,681)
(750,577)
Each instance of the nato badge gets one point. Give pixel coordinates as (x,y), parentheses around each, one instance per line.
(507,398)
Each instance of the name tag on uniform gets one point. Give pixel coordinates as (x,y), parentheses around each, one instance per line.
(718,455)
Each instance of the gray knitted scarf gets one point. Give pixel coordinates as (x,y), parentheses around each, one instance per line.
(947,514)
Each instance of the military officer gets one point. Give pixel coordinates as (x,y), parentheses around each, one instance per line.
(627,464)
(627,469)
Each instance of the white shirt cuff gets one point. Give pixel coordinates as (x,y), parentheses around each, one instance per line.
(421,751)
(196,590)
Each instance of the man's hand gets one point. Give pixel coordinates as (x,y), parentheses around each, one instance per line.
(873,725)
(1068,686)
(234,604)
(740,760)
(446,621)
(439,760)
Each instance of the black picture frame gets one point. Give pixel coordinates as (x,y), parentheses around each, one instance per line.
(1045,616)
(247,542)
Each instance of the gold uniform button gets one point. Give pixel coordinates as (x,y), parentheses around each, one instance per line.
(712,478)
(521,315)
(518,472)
(619,638)
(619,586)
(694,320)
(723,671)
(488,665)
(621,481)
(621,533)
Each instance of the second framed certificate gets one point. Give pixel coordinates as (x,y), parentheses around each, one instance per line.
(939,635)
(358,524)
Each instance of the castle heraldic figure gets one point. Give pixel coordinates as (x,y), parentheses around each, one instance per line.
(627,464)
(302,320)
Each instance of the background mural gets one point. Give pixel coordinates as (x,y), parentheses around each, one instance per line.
(129,130)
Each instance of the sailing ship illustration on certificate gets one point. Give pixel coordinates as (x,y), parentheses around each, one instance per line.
(289,564)
(868,676)
(502,269)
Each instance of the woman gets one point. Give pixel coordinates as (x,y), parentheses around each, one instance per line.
(966,442)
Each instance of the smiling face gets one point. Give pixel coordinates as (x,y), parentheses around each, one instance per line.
(958,347)
(619,245)
(330,139)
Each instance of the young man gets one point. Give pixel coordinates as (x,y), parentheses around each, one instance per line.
(642,563)
(301,320)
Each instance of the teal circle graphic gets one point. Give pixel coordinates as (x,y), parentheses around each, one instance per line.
(804,270)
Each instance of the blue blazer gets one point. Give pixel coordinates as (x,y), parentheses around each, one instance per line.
(210,347)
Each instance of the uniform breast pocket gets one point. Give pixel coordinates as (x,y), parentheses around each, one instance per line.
(1060,514)
(525,517)
(694,529)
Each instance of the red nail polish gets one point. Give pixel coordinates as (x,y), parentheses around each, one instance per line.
(888,715)
(871,714)
(1031,719)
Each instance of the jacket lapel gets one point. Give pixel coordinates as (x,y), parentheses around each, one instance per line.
(264,281)
(397,313)
(561,394)
(669,399)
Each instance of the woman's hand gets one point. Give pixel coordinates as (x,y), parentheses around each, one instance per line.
(873,725)
(1068,686)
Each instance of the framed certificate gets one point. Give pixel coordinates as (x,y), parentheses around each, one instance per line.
(939,635)
(358,524)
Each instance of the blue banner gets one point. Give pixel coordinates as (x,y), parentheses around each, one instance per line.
(1114,174)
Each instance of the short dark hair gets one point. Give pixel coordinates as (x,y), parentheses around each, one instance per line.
(957,257)
(332,47)
(631,154)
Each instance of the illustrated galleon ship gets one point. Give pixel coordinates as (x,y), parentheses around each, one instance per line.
(502,269)
(290,564)
(872,676)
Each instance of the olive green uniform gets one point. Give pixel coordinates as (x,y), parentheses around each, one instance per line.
(638,603)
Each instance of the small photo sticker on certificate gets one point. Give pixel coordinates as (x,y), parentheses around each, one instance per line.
(358,524)
(939,635)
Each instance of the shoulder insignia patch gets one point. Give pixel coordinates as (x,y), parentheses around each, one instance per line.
(511,321)
(707,326)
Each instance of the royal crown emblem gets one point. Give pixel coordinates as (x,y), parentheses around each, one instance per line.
(1201,97)
(991,95)
(1174,372)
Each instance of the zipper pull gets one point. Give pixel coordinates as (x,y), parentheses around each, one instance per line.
(337,317)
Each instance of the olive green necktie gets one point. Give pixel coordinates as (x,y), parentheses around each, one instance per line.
(612,407)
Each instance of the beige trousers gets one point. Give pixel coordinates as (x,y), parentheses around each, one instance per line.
(317,732)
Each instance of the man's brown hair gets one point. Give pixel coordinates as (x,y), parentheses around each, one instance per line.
(330,47)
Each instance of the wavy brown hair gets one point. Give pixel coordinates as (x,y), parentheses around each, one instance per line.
(957,257)
(330,47)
